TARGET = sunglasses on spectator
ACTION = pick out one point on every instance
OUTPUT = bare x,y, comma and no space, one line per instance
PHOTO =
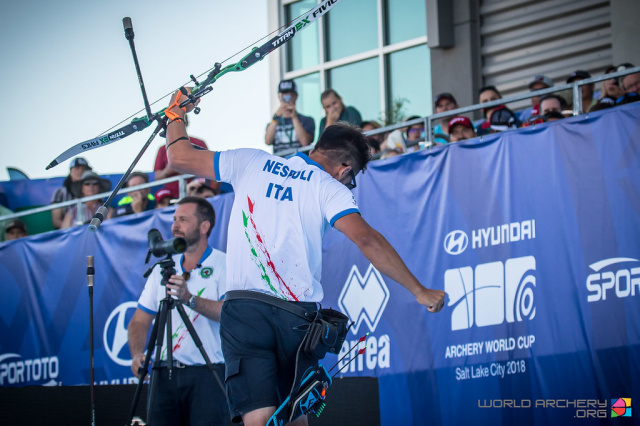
351,184
90,182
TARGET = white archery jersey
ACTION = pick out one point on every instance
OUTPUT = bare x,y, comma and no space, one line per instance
208,282
281,211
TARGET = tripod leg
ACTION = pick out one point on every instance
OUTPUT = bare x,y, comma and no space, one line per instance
198,343
161,323
144,370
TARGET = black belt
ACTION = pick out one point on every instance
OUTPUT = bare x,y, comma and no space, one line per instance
178,364
292,307
175,364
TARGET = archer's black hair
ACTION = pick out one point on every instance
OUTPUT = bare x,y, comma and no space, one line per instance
343,142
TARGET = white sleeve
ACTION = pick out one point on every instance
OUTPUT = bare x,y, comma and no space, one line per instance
336,201
230,165
149,301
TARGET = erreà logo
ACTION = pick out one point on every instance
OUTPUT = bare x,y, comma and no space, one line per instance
456,242
115,335
363,299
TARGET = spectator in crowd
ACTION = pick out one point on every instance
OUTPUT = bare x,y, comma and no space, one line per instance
288,129
443,102
539,82
135,201
335,111
163,169
14,230
552,107
77,167
610,88
408,140
488,94
203,188
460,128
588,99
630,84
374,141
90,184
414,134
163,198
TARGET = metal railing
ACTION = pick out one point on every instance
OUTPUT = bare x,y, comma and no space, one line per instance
182,179
430,119
426,120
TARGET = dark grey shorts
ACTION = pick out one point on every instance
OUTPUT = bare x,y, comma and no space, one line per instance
259,344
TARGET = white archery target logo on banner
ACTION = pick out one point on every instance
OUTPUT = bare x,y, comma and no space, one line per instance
115,336
456,242
492,293
363,299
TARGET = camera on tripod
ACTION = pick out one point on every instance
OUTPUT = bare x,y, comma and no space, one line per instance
159,248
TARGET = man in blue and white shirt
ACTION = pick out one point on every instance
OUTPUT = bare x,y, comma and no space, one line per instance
192,396
281,211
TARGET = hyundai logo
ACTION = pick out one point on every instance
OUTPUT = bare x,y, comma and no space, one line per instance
115,336
456,242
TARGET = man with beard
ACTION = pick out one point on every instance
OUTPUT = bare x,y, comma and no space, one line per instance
192,395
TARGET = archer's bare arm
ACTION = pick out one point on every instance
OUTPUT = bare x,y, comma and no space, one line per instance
385,259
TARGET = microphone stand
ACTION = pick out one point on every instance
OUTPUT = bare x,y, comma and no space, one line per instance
90,276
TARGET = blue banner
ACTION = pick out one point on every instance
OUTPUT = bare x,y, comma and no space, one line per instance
533,234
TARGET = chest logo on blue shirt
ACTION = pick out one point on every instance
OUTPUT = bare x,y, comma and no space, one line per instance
206,272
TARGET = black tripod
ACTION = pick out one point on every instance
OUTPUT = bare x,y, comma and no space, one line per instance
162,325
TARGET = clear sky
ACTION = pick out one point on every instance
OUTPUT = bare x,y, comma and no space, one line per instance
67,76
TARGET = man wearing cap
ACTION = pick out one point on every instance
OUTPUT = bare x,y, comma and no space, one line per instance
288,129
77,167
90,184
444,102
163,198
14,230
538,82
460,128
588,100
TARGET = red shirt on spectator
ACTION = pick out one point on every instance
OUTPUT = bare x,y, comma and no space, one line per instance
162,162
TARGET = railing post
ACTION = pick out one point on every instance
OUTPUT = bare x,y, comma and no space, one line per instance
577,99
183,186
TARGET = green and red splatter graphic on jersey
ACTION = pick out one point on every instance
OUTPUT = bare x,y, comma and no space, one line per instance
284,291
181,332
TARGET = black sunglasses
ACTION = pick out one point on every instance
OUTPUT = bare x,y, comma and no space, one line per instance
351,184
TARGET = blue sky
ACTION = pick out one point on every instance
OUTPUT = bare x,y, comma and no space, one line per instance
68,75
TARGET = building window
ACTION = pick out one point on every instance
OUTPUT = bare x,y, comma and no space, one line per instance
406,19
302,50
371,52
351,27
